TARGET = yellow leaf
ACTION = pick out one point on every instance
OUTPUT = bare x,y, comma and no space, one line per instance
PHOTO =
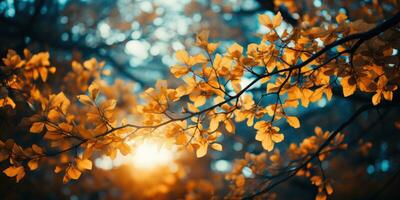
88,152
348,86
43,73
267,144
199,58
111,152
265,20
202,38
36,127
317,95
181,139
341,17
192,108
202,150
305,97
216,146
84,164
7,101
235,50
179,71
54,115
60,100
229,126
85,100
328,188
20,174
316,180
328,93
268,135
52,70
90,64
66,178
37,149
199,100
348,91
33,164
182,56
57,170
125,149
94,91
73,172
277,137
211,47
214,124
376,99
52,135
236,86
388,95
293,121
277,20
85,132
108,105
12,171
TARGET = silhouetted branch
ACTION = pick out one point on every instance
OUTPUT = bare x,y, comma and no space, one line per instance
315,155
364,36
21,31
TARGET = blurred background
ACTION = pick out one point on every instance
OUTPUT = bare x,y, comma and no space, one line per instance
137,40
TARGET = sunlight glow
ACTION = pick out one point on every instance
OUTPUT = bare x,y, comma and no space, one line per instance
147,155
150,155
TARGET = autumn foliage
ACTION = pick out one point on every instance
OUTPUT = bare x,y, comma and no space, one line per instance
295,67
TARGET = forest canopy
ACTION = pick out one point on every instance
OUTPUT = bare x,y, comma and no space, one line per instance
201,99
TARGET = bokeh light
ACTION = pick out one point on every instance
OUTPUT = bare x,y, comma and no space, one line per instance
147,155
150,155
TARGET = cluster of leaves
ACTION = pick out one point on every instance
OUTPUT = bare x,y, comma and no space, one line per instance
273,165
296,67
18,76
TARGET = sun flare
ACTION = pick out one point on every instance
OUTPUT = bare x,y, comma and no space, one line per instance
150,154
146,155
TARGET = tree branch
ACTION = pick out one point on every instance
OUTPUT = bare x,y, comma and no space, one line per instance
362,36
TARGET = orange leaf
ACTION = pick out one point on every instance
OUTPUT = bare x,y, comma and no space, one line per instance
277,20
202,150
73,172
85,100
33,164
84,164
293,121
265,20
229,126
216,146
36,127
